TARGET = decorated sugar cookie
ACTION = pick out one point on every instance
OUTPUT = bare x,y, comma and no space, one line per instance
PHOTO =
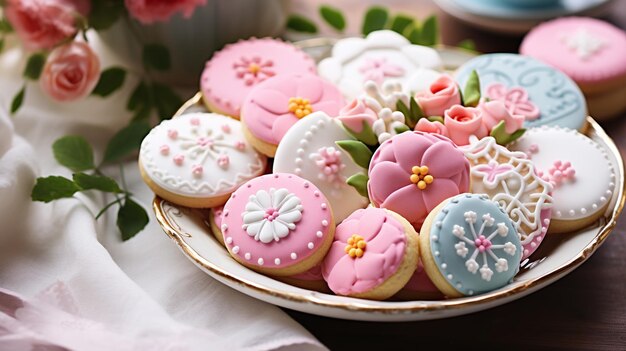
215,221
272,107
198,159
511,180
309,150
544,95
413,172
374,254
278,224
469,246
419,287
382,56
233,71
581,173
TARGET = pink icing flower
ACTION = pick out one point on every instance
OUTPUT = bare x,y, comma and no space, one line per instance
382,253
442,94
491,171
150,11
424,125
397,170
354,114
71,72
377,69
253,70
493,112
515,99
42,24
462,122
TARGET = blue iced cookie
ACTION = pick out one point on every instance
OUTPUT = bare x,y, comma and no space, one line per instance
543,94
469,246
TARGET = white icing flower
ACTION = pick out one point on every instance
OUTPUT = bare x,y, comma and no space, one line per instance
486,273
388,124
472,265
271,215
458,231
461,250
470,217
502,265
503,230
510,248
488,220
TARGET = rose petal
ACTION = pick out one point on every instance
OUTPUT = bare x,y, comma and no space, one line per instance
272,101
386,178
407,202
444,159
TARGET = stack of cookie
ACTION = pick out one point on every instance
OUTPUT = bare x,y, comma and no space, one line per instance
374,174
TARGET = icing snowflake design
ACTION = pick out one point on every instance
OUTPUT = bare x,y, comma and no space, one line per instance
383,100
253,70
377,69
199,145
480,243
270,216
515,100
583,43
328,160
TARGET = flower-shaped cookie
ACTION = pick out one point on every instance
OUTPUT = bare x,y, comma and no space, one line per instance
413,172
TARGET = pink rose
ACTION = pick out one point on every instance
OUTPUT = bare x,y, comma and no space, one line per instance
71,72
42,24
495,111
354,114
442,94
424,125
150,11
462,122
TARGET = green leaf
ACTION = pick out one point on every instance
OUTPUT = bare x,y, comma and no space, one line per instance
502,137
366,135
358,152
400,23
5,26
140,102
97,182
359,182
104,13
1,44
471,93
436,119
375,19
156,56
411,114
53,188
110,80
401,129
429,31
18,99
73,152
166,100
333,17
413,33
34,66
301,24
126,141
131,219
467,44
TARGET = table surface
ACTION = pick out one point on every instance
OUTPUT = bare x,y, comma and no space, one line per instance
584,310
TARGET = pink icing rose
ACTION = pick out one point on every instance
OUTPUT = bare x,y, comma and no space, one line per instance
462,122
42,24
354,114
150,11
493,112
443,93
424,125
71,72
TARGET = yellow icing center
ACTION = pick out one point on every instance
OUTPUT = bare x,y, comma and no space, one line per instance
300,107
356,246
420,177
254,68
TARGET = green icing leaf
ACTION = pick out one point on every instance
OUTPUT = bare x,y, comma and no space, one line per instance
104,13
167,102
429,31
110,80
1,44
412,113
436,119
73,152
358,151
333,17
413,33
400,23
34,66
471,94
52,188
467,44
156,56
18,99
131,219
96,182
375,19
359,182
502,137
367,135
401,129
126,141
5,26
301,24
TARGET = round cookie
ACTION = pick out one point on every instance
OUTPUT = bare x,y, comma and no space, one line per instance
582,176
374,254
311,280
543,94
278,224
419,287
233,71
413,172
215,222
273,106
198,159
383,55
308,150
509,178
469,246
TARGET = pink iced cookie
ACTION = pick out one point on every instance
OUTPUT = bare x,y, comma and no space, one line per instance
311,279
275,105
232,72
215,221
278,224
413,172
374,254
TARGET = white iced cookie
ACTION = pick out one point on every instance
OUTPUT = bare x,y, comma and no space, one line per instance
580,171
381,56
510,179
198,159
308,150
